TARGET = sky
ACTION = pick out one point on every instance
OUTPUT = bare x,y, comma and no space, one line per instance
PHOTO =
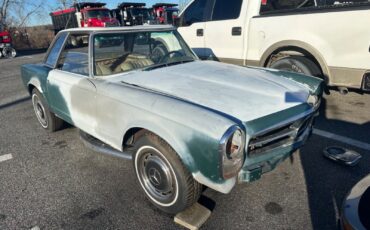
45,18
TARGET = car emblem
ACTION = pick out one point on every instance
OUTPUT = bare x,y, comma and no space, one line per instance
154,176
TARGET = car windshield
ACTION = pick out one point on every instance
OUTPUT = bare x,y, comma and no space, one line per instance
122,52
98,14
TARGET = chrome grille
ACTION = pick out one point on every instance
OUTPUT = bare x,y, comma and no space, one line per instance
279,137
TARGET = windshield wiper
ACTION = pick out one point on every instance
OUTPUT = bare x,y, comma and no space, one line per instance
167,64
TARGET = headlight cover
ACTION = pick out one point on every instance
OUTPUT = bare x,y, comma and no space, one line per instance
232,146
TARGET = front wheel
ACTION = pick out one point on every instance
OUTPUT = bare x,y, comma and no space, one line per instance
163,177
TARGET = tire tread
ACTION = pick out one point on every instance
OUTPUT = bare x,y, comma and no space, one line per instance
194,188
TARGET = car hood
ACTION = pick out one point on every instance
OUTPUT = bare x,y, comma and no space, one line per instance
244,93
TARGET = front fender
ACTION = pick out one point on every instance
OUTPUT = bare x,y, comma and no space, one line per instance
192,130
197,150
313,84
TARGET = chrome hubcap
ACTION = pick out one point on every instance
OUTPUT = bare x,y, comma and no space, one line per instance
156,176
39,110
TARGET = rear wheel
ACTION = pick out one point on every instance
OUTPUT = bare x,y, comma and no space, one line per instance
47,119
163,177
297,64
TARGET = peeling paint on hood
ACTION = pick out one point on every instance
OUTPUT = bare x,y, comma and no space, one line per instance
241,92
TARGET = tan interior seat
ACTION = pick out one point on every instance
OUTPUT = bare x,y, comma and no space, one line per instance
102,69
132,62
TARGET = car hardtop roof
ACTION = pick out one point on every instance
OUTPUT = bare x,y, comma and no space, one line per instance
147,28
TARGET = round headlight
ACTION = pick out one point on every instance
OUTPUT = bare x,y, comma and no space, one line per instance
232,151
235,144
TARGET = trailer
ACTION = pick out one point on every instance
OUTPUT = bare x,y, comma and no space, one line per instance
84,14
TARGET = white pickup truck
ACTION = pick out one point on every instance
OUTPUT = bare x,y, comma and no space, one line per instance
325,38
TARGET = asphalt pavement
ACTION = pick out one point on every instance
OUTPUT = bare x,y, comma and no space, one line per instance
52,181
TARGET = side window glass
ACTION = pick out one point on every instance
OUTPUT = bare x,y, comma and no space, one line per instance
54,52
194,13
142,44
75,56
225,10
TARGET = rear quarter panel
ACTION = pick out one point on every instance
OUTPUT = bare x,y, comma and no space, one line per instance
35,75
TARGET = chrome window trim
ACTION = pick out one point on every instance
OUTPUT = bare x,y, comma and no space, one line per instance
64,45
94,33
52,46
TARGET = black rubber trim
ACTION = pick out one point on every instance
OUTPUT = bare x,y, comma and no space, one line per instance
98,146
314,10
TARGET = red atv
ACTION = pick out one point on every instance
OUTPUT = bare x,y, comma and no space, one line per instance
6,49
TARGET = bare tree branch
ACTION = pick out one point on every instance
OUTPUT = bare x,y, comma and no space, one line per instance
3,12
16,13
31,12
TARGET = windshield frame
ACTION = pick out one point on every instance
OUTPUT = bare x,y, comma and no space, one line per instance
89,11
95,33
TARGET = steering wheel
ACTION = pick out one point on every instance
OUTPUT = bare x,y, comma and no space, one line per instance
167,55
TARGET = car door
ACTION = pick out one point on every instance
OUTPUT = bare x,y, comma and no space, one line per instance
192,25
70,90
225,31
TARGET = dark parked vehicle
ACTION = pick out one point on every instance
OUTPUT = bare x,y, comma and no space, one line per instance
132,14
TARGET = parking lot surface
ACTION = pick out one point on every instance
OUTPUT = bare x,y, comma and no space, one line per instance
52,181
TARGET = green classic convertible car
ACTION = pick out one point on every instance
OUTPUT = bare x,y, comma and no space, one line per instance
184,123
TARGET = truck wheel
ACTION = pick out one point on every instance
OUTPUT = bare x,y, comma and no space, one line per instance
158,53
163,177
9,52
297,64
47,119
